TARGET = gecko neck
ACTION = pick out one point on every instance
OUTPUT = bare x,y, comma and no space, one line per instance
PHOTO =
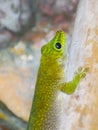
53,70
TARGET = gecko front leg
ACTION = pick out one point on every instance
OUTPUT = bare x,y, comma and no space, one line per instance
70,87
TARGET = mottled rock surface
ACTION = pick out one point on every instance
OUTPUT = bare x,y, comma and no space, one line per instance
16,16
19,16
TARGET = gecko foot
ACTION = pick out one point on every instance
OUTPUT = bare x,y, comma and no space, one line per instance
82,72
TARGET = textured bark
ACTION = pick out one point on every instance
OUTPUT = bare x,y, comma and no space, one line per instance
81,109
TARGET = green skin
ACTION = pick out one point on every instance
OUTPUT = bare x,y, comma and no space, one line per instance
45,112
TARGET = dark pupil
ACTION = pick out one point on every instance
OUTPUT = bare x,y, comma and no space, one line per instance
58,45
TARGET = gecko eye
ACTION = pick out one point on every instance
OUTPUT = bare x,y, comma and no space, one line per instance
58,45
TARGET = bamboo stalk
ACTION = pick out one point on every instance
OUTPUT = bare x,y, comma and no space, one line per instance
81,109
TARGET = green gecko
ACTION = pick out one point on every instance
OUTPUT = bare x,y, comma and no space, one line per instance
45,111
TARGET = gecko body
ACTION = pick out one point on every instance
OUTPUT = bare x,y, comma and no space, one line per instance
46,111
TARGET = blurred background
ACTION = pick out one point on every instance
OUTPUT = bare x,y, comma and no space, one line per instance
25,25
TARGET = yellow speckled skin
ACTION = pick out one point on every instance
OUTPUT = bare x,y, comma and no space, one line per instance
45,110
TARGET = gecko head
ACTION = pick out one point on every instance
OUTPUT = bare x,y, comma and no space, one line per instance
55,49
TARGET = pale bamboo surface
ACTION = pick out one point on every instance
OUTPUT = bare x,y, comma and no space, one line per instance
81,108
